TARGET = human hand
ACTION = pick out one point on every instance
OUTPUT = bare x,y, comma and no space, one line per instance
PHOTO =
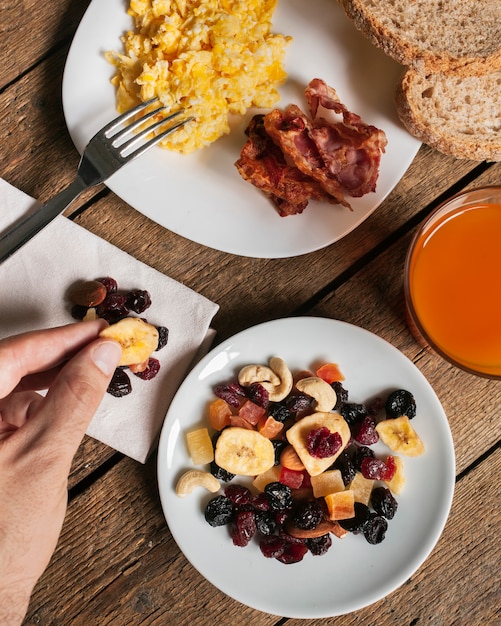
38,439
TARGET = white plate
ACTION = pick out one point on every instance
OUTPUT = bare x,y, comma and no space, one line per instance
201,196
353,574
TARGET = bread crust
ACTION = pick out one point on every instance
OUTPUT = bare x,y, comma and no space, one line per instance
463,38
458,117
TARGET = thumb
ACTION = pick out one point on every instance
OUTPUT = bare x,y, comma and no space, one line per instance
75,395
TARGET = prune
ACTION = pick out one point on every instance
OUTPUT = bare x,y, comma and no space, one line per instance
220,473
400,402
383,502
356,523
232,393
292,553
163,337
113,308
377,469
219,511
110,284
365,432
238,494
345,465
151,371
321,443
120,384
243,528
308,515
138,300
258,394
279,496
278,411
266,523
360,453
353,412
341,394
375,528
318,546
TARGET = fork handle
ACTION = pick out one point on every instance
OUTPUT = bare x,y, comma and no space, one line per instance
28,227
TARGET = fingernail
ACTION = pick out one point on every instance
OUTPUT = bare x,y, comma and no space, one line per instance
106,356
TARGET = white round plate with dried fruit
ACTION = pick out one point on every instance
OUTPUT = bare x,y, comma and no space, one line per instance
201,196
353,573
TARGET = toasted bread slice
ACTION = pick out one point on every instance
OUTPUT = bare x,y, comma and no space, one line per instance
460,36
457,116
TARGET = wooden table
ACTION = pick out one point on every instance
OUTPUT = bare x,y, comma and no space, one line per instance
116,562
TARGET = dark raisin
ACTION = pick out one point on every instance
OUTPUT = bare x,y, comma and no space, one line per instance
266,523
353,412
151,371
163,337
219,511
278,411
120,384
238,494
321,443
243,528
278,446
345,465
341,394
383,502
232,393
308,515
365,432
113,308
78,312
299,403
292,553
138,300
258,394
400,402
279,496
376,406
110,284
360,453
375,528
358,521
272,546
220,473
318,546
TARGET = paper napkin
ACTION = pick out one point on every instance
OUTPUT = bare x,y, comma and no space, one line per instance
34,282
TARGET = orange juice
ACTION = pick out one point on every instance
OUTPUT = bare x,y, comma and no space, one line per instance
454,285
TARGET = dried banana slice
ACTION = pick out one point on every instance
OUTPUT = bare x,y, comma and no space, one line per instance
137,338
399,435
244,452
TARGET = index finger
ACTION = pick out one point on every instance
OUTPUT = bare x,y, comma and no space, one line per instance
41,350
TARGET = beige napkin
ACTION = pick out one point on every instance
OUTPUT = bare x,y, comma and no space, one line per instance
33,286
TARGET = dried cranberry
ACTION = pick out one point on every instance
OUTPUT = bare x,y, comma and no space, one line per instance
113,308
375,528
258,394
260,502
138,300
292,553
151,371
232,393
377,469
365,432
238,494
318,546
308,515
383,502
321,443
218,511
120,384
243,528
360,453
299,403
110,284
272,546
163,337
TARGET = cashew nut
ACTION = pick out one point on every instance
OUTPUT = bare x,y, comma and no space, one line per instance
257,374
276,379
282,390
196,478
323,394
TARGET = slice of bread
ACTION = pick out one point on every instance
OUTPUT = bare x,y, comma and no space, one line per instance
460,116
461,36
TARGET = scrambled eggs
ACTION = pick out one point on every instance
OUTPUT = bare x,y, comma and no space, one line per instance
211,57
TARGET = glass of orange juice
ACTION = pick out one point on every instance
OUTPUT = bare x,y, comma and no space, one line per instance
453,281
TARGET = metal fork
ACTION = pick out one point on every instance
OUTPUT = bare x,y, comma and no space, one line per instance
109,150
